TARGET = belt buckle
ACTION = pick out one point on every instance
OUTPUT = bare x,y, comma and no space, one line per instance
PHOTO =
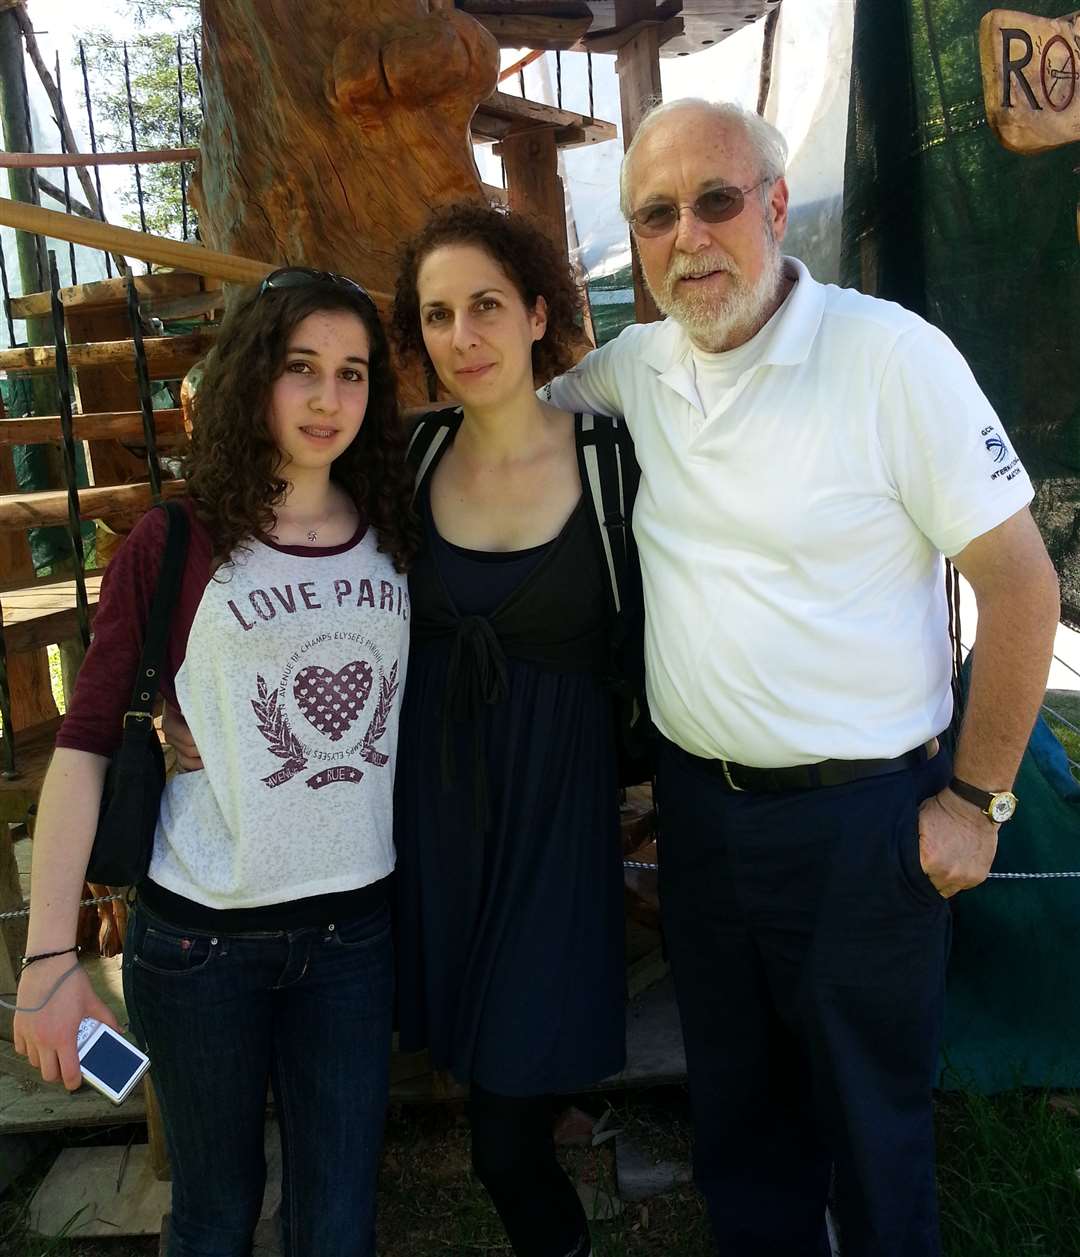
728,778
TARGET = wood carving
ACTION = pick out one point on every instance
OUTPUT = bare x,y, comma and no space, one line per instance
1031,78
332,130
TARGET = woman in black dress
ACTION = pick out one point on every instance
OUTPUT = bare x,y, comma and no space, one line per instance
511,966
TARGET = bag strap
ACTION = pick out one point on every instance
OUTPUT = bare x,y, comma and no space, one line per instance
148,680
428,438
608,472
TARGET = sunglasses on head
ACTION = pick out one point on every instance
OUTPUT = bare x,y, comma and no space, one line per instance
305,277
715,206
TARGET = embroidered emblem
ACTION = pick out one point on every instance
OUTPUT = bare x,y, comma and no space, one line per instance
997,448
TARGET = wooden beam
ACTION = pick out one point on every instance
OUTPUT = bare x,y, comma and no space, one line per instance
528,30
52,161
532,180
110,292
119,425
638,66
39,510
502,115
157,249
168,357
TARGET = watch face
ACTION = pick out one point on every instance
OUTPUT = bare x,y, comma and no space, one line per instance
1002,807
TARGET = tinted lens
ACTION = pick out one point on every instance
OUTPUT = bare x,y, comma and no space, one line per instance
654,220
718,204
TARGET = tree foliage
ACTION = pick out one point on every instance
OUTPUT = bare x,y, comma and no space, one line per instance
153,64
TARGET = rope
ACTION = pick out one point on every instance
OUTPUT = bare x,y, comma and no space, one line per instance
1012,877
86,903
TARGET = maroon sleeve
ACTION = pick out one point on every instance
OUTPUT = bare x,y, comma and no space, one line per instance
95,714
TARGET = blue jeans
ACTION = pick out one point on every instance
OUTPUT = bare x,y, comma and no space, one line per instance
223,1015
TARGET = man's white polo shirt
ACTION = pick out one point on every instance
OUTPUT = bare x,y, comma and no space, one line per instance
791,538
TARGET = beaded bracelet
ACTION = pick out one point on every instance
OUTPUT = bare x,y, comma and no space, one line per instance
27,961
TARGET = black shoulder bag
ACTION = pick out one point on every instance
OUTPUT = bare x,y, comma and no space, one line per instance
135,778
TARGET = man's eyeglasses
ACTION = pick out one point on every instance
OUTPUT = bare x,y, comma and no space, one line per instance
305,277
715,206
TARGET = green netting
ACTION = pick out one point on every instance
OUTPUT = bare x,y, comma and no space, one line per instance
981,241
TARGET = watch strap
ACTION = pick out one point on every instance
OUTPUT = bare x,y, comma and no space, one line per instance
972,794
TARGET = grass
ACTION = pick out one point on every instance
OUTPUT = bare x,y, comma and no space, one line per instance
1008,1179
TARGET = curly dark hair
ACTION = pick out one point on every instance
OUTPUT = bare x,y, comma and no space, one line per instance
232,464
526,255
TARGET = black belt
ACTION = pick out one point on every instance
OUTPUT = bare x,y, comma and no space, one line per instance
827,772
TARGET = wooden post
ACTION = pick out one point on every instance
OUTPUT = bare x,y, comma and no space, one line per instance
155,1132
637,64
533,183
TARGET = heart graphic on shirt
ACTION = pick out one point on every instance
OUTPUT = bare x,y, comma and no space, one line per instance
332,701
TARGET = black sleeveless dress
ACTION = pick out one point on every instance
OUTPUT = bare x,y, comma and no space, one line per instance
511,964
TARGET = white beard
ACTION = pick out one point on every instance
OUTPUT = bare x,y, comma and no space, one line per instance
713,322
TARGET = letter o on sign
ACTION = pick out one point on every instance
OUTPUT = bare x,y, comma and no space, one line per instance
1058,101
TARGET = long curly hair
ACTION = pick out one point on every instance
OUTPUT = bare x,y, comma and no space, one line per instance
528,258
232,465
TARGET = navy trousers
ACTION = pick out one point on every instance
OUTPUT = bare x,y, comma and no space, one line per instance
808,950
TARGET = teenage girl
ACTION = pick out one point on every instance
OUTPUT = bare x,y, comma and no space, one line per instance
259,948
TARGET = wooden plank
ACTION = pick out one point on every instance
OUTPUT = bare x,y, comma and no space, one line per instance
502,115
121,425
167,357
527,30
107,388
532,180
33,510
39,615
161,284
1031,78
54,161
157,249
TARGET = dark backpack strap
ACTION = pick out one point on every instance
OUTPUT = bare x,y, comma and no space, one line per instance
428,438
609,476
148,680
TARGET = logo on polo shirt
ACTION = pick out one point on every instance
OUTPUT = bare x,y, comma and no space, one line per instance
997,448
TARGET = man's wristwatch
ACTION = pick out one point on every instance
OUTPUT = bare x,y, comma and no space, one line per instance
1000,806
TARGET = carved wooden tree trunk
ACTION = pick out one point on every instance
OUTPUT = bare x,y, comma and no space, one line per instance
333,127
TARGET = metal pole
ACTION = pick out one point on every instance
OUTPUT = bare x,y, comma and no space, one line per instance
183,141
67,181
558,78
7,298
93,145
134,143
198,73
592,104
67,448
142,377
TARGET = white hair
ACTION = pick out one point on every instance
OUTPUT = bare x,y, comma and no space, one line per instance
765,141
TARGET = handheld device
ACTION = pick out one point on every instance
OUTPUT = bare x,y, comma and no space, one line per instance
109,1062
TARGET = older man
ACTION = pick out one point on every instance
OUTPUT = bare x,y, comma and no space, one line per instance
808,454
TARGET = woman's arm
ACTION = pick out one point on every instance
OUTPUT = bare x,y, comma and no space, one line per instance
67,818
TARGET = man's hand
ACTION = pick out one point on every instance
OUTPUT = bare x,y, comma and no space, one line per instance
178,736
957,843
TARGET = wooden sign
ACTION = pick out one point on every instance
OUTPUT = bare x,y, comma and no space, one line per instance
1031,78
